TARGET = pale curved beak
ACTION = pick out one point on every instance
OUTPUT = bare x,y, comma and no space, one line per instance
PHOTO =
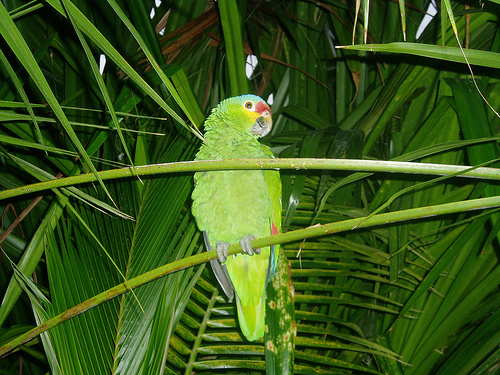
263,124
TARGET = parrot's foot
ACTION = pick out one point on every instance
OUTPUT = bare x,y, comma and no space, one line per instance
222,251
246,246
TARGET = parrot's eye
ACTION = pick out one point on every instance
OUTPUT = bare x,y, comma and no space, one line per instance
249,105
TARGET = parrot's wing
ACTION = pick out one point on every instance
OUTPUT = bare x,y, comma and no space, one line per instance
273,255
220,272
273,182
271,268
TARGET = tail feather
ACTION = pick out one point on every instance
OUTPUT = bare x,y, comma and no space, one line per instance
252,319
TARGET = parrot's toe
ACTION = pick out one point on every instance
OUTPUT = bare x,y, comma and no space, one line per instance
245,243
222,251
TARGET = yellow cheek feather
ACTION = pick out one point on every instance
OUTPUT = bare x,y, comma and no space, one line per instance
251,115
244,118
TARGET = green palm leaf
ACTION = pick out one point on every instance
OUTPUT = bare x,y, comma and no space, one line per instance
415,296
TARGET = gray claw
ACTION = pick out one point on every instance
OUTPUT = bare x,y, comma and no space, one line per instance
222,251
246,246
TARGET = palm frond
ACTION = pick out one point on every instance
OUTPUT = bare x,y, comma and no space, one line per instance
403,297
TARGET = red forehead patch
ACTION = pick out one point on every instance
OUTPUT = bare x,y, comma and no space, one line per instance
262,107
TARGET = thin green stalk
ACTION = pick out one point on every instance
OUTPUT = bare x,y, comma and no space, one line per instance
293,236
201,331
248,164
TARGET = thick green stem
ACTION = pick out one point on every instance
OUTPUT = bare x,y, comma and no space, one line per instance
297,235
246,164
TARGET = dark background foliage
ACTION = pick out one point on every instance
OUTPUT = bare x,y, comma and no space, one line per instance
412,298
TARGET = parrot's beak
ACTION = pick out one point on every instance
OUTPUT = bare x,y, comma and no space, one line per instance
263,123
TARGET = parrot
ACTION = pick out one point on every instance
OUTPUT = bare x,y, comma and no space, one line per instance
239,205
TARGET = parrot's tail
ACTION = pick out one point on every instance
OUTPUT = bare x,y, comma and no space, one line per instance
252,319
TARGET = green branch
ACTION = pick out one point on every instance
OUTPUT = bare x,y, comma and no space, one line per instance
293,236
296,164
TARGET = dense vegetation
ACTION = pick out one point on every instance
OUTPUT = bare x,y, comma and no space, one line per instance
410,297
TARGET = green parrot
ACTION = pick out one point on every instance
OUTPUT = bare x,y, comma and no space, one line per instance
231,206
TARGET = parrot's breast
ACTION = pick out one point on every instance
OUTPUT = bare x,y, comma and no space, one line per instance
232,204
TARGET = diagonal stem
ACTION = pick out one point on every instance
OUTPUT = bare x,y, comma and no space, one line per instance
20,218
293,236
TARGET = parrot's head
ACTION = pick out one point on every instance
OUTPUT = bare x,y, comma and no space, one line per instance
248,113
